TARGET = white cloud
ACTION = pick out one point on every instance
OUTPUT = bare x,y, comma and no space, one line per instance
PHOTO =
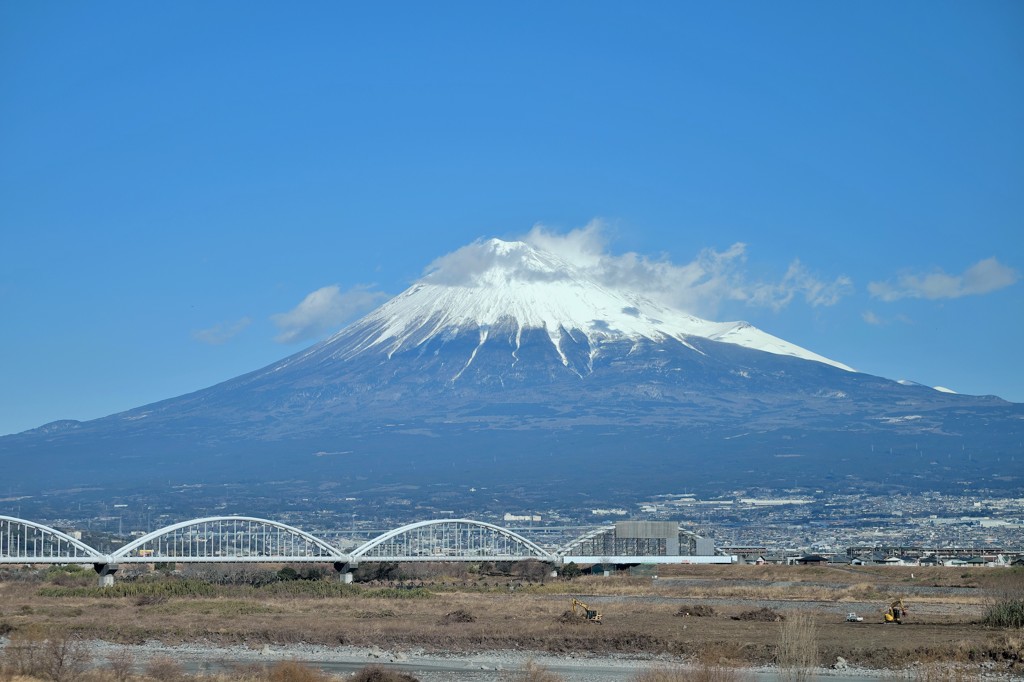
221,332
871,317
698,287
324,310
584,247
799,281
981,278
463,266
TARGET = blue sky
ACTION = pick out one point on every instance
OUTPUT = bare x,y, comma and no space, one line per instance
176,179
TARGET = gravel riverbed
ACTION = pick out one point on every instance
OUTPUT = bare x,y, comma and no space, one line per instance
438,667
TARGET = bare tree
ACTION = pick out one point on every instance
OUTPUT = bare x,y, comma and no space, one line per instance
121,664
65,657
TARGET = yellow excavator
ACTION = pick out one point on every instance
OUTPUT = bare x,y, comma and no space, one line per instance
895,612
585,611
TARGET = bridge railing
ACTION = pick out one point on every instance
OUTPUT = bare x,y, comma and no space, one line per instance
228,539
450,540
24,541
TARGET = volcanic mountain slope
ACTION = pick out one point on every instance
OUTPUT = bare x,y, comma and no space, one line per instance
514,363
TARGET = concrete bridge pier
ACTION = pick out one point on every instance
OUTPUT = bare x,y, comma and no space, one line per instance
344,570
106,574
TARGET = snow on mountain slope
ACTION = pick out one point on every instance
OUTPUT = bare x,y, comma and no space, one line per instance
512,286
940,389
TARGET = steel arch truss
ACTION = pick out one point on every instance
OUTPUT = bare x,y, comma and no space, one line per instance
598,542
604,542
218,539
24,541
450,540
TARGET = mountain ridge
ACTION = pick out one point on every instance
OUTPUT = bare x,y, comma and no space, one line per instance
444,383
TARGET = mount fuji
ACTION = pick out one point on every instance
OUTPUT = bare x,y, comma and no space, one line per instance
513,368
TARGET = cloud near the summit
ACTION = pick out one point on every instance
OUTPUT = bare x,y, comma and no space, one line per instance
324,310
462,266
981,278
698,287
584,247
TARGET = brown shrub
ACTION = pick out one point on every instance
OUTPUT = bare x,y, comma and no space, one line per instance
935,672
165,669
569,617
532,672
120,665
56,656
715,654
702,673
242,672
376,673
763,615
382,613
66,658
19,657
458,616
293,671
150,599
698,610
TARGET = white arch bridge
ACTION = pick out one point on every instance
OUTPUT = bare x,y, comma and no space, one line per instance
246,539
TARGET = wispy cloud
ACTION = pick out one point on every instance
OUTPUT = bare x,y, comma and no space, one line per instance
799,281
324,310
221,332
871,318
699,286
981,278
584,247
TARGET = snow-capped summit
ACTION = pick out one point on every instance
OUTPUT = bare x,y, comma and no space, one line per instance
496,287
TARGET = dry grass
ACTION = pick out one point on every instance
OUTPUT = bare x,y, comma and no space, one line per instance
293,671
640,616
457,616
841,576
797,653
165,669
842,585
532,672
56,656
761,615
1005,599
702,673
285,671
937,672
